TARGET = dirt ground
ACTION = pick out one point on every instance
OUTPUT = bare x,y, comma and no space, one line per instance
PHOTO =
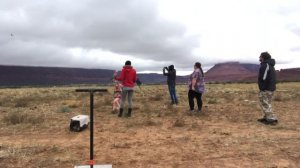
34,129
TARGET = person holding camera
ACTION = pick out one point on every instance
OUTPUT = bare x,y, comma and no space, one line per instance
171,81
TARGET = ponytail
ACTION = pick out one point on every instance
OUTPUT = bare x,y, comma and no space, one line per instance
201,71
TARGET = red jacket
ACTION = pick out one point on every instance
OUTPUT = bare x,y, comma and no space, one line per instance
128,76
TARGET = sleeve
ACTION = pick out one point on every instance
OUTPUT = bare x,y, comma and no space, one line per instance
174,74
195,75
134,76
164,72
261,77
122,76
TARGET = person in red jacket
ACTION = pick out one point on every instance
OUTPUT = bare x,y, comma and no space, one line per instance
128,79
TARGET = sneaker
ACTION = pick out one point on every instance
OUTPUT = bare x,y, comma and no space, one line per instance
191,112
262,120
271,122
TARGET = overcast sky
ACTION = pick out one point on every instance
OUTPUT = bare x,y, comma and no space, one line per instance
151,33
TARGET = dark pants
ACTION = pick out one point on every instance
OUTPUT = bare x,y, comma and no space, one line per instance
172,92
192,94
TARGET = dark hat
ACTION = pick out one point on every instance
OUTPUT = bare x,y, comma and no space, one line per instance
265,55
171,67
128,63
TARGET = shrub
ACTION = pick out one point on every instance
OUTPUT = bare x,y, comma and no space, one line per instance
18,117
281,97
179,123
64,109
4,101
212,101
108,101
72,103
278,97
23,102
15,118
157,97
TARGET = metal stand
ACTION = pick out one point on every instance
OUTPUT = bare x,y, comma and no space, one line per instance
91,91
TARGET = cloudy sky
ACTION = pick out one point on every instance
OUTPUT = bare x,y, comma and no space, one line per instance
151,33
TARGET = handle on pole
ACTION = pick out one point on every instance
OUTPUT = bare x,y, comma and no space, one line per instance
91,91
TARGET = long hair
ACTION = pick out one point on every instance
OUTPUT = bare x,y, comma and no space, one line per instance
198,65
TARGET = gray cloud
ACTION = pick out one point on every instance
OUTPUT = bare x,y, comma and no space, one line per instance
45,33
296,30
296,48
44,30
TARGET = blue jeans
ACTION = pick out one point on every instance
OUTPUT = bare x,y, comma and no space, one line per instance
172,92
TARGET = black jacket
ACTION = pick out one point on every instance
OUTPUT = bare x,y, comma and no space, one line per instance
267,76
171,74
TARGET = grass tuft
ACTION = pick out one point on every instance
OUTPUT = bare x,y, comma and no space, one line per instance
157,97
179,123
17,117
212,101
64,109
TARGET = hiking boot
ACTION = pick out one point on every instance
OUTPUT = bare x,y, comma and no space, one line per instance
120,112
129,112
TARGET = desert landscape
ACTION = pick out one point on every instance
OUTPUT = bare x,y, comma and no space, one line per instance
34,128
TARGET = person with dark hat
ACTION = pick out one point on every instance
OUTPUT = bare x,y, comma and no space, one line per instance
128,78
171,81
267,86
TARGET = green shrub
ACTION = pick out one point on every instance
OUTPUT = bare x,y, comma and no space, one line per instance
64,109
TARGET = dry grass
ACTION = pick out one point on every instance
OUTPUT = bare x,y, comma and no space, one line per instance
20,117
34,129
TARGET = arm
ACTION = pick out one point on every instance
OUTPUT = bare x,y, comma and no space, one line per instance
165,73
195,76
194,80
134,77
261,79
121,77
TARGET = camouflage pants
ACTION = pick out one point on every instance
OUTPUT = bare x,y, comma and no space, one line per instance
265,98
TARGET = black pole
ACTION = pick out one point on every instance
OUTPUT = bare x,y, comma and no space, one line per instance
91,91
92,129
